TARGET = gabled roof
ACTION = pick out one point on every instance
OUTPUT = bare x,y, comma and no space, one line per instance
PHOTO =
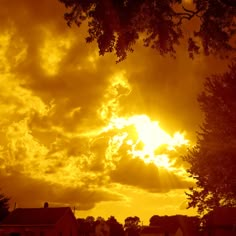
35,216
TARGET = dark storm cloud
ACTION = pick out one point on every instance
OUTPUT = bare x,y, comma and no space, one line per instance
30,192
147,176
27,13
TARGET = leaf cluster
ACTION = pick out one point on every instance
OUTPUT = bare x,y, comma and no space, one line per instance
213,160
116,25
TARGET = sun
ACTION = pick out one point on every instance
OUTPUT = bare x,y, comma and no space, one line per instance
147,140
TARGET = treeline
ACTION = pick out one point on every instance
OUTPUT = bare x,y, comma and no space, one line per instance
89,226
132,225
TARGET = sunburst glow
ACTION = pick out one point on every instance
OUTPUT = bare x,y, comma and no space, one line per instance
147,140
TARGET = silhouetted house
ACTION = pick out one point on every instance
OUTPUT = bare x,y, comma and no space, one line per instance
221,222
171,230
40,222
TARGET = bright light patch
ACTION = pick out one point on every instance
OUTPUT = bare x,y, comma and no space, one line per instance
52,52
118,87
4,45
92,59
147,138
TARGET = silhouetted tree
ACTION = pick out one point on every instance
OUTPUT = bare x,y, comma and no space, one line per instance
116,25
86,226
213,159
163,221
132,226
101,227
4,206
116,229
154,220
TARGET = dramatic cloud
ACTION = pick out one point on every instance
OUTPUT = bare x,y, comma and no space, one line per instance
33,193
78,129
135,172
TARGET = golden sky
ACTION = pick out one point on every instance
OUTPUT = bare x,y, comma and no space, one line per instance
80,130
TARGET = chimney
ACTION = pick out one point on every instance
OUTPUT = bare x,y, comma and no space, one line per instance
45,205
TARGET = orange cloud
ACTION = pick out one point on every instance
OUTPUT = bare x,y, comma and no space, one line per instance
59,100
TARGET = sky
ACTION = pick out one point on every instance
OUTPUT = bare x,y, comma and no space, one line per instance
77,129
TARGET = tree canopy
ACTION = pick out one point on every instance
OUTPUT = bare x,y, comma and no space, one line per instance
117,25
132,226
4,206
213,159
116,229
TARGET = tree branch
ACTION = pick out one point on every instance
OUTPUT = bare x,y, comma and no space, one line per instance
188,14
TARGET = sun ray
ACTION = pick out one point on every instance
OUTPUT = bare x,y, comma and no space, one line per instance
146,139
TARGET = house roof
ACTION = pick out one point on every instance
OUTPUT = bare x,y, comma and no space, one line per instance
35,216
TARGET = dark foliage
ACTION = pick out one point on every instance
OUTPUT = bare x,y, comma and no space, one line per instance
86,226
213,160
4,206
116,25
132,226
116,229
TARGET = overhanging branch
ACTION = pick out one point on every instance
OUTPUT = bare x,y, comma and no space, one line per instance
187,14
